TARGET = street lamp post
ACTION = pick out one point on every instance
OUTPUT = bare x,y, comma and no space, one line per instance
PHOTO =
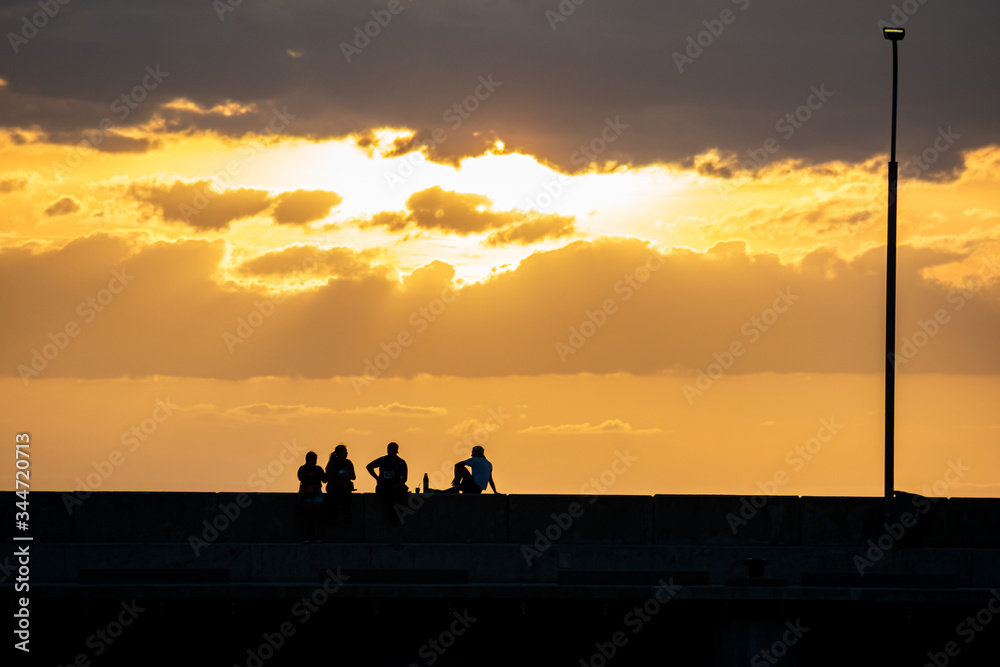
894,35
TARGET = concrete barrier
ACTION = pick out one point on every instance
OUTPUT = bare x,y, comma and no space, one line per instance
437,518
50,517
726,520
255,517
138,516
931,517
516,519
580,519
840,520
974,522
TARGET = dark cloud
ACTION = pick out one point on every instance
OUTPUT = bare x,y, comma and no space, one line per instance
78,123
12,183
117,143
554,85
460,213
304,206
532,231
62,206
199,204
390,220
107,142
467,213
310,260
714,167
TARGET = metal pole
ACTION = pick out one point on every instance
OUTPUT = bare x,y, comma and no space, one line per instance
890,309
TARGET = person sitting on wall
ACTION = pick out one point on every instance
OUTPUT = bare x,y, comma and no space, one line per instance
474,482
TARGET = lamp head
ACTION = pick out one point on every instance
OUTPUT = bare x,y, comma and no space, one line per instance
893,34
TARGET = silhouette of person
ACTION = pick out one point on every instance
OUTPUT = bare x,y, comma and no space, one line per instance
391,478
340,482
311,478
474,474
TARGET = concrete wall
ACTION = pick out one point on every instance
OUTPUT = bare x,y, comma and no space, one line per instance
539,566
517,519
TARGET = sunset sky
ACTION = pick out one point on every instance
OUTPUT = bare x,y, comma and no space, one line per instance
578,233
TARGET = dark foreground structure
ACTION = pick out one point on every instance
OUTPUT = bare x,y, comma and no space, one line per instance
222,579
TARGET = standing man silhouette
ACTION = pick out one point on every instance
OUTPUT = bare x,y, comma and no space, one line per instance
390,482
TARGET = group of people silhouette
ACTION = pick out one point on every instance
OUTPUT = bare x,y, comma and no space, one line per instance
472,476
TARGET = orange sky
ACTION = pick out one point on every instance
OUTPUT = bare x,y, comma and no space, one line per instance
584,326
558,433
